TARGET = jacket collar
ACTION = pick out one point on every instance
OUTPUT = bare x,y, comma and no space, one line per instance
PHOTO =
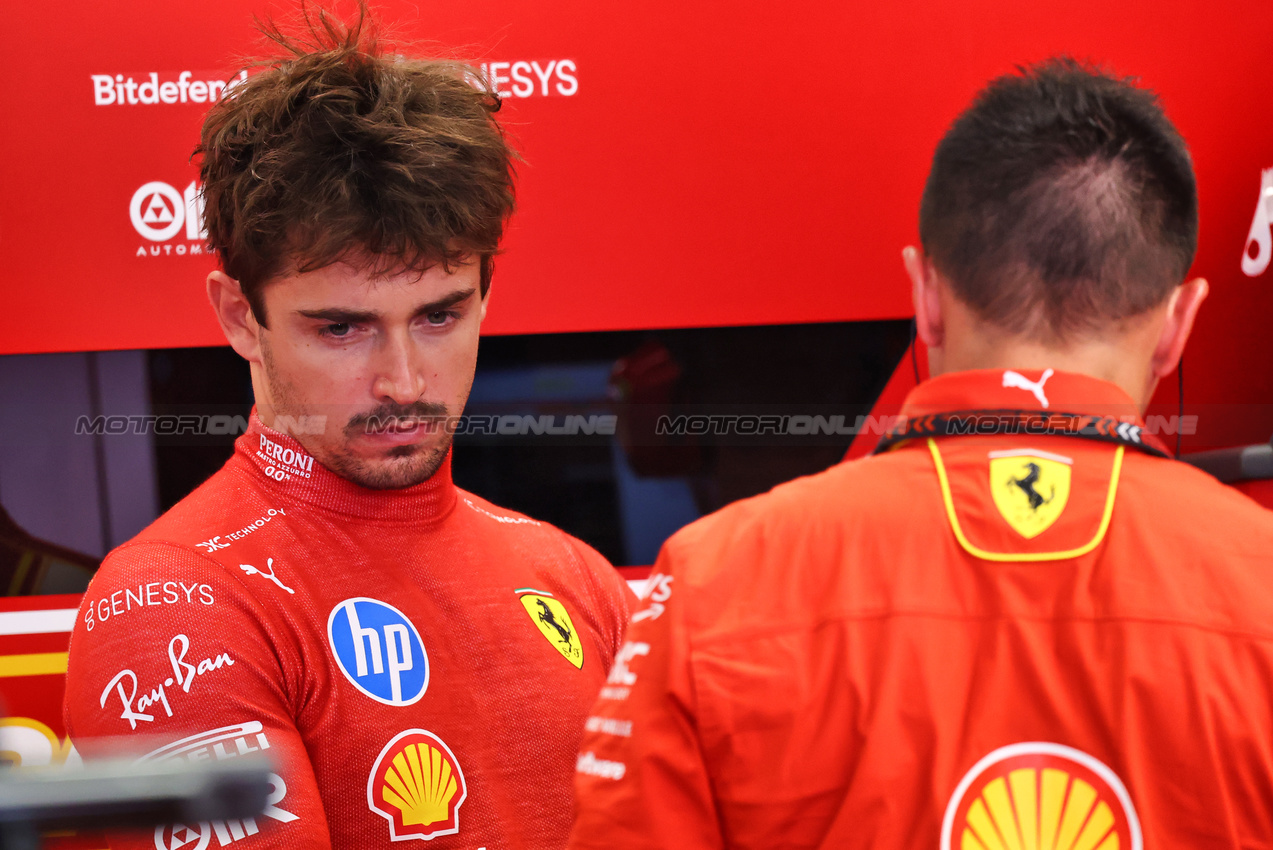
1094,408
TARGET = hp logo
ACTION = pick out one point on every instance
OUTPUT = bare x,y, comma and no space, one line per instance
378,650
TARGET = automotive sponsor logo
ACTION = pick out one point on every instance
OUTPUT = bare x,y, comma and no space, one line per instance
416,784
620,672
609,726
593,766
124,686
553,622
379,650
657,589
158,88
1039,794
223,541
159,213
1030,488
269,565
222,743
535,78
1259,239
282,462
180,836
146,595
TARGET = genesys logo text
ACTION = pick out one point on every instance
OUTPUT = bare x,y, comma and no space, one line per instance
158,88
160,214
538,78
148,595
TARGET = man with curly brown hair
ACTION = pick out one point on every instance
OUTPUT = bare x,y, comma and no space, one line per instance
418,661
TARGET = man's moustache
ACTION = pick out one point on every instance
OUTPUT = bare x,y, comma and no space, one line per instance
425,414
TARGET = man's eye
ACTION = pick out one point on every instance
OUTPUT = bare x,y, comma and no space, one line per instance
338,329
438,318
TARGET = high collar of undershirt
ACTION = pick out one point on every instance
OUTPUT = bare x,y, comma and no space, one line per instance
285,466
1042,390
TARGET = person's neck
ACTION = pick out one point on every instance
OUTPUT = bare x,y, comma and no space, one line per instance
1115,358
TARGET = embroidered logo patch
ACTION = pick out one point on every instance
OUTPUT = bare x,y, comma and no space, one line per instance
1040,795
379,650
553,622
1030,488
416,784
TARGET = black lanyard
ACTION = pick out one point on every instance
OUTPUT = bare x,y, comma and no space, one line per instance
1020,423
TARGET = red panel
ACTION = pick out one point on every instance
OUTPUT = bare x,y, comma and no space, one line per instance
762,166
38,697
1260,490
33,703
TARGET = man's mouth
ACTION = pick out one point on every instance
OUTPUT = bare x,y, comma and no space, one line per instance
401,429
404,425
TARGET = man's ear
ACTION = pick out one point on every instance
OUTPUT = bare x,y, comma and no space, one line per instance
486,300
235,315
1182,309
930,325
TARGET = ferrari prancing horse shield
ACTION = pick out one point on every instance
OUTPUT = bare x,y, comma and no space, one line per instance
552,620
1030,488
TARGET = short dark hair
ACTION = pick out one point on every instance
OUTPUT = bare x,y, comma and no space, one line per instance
1061,201
336,152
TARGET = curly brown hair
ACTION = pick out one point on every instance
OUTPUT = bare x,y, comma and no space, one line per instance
336,152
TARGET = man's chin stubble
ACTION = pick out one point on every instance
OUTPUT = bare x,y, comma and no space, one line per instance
391,473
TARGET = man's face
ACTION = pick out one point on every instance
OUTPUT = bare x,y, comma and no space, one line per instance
371,356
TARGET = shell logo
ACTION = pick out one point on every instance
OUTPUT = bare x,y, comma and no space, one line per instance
416,784
1040,796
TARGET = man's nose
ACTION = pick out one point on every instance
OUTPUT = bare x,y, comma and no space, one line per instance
399,371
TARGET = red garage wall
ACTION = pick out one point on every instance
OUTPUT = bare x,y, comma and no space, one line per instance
685,166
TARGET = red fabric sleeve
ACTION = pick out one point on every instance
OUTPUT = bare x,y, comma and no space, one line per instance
614,600
171,658
640,778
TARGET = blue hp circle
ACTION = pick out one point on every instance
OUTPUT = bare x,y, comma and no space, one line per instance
378,650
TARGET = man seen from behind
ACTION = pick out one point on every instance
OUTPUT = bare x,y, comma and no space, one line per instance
1020,624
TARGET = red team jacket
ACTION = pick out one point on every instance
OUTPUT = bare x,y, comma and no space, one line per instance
1029,642
418,662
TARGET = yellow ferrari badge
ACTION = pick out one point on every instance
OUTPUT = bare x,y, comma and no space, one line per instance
1030,488
550,617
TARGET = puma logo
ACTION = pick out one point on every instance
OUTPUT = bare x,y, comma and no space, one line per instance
269,562
1018,381
1259,240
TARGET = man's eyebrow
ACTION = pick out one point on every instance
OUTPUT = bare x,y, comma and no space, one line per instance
342,316
442,303
339,316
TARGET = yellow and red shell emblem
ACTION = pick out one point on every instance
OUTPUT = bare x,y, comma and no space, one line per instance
417,785
1040,796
